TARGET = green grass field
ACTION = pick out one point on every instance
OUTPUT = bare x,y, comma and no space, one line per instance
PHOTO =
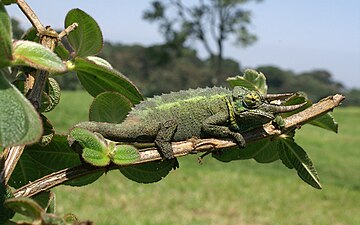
240,192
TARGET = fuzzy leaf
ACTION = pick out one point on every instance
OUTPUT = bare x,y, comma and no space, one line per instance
19,121
87,38
110,107
51,95
25,206
32,54
48,133
252,80
124,154
97,79
293,156
99,61
148,172
6,213
5,38
325,121
95,150
38,161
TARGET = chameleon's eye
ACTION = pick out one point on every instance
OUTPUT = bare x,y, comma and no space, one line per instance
252,100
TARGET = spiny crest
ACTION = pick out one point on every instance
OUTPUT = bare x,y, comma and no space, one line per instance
179,96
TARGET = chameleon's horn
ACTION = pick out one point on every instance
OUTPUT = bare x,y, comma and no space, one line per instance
272,97
286,108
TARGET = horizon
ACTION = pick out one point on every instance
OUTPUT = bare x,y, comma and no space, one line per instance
299,36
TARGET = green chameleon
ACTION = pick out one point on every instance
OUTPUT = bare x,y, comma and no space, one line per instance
202,113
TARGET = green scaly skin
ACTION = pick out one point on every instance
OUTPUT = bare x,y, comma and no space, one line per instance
200,113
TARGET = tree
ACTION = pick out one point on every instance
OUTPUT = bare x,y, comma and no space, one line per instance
211,22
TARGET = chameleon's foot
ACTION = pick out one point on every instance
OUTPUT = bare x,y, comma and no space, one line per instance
175,163
239,139
279,122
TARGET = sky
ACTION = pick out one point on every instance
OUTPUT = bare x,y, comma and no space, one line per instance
297,35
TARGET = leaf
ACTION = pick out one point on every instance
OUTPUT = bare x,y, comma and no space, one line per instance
25,206
19,121
252,80
148,172
62,52
5,38
95,150
124,154
293,156
87,38
31,35
48,133
38,161
85,180
97,79
6,213
99,61
110,107
51,95
325,121
32,54
46,200
263,151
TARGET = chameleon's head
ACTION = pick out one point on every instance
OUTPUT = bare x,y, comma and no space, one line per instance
252,107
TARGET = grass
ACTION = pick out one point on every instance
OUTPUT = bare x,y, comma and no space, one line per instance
240,192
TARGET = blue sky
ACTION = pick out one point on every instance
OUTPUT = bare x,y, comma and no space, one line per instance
298,35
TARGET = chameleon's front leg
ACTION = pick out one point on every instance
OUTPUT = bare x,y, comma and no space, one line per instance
163,140
215,126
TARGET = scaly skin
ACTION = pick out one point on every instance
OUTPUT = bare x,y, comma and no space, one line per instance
209,112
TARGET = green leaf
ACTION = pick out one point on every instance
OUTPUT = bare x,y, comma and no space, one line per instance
32,54
124,154
87,38
51,95
293,156
38,161
5,38
99,61
263,151
6,213
95,150
46,200
97,79
62,52
252,80
19,121
110,107
85,180
325,121
48,133
31,35
25,206
148,172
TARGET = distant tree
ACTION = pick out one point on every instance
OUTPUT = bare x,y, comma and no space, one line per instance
17,30
212,22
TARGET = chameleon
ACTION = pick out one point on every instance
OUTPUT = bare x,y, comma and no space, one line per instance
195,113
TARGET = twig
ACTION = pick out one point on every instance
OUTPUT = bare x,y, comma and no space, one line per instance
187,147
30,14
68,30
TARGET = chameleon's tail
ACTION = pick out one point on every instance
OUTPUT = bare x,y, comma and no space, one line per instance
115,132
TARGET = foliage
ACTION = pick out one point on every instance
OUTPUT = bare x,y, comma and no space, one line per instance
29,66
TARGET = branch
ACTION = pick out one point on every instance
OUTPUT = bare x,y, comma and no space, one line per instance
30,14
186,147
